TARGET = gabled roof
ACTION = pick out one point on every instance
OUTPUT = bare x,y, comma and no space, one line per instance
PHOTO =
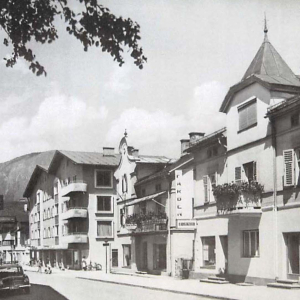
38,170
147,159
270,70
84,158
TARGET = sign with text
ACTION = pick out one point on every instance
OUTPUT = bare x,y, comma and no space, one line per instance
186,224
178,194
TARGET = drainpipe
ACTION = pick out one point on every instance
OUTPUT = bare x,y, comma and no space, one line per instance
275,209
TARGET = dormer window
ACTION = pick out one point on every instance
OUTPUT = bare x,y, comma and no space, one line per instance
247,115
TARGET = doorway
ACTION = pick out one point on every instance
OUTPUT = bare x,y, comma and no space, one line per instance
224,244
293,253
144,256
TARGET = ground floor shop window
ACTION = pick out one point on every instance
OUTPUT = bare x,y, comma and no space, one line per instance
126,255
293,249
114,257
209,249
159,256
251,243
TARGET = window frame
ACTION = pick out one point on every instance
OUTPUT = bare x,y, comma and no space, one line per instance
111,205
256,246
111,178
105,236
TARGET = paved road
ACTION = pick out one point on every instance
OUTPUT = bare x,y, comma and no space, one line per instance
38,292
80,289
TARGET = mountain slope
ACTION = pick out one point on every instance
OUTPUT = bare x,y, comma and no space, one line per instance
15,174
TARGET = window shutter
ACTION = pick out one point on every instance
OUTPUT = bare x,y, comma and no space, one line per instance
243,118
206,191
238,175
288,159
254,171
251,114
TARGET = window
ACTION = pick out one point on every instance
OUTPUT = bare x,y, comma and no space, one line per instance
159,256
124,184
250,171
247,115
295,119
7,243
122,217
143,192
55,188
103,178
209,182
104,229
143,207
74,178
104,203
251,243
38,196
238,175
208,250
158,187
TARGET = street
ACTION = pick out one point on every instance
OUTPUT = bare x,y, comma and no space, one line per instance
73,288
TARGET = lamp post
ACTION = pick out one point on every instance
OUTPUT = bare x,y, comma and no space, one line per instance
106,244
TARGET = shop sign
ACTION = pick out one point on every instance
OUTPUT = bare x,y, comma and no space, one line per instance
186,224
178,193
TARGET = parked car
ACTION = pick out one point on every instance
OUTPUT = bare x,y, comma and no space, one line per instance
12,277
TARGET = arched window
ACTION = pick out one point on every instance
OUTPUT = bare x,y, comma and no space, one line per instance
124,184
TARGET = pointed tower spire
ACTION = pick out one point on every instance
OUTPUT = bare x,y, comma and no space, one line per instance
266,30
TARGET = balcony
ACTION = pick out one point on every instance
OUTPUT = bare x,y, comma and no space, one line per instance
75,238
243,204
73,187
150,222
75,212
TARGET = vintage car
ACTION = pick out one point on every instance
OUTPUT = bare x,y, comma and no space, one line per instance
12,277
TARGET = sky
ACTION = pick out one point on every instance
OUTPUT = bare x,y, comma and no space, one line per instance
196,51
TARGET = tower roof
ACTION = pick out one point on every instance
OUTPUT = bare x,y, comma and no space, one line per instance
269,66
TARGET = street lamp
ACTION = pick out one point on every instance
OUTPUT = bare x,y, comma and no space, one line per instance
106,244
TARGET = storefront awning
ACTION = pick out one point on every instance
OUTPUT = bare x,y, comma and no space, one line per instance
146,198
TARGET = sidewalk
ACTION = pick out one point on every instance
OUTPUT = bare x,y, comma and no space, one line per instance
188,287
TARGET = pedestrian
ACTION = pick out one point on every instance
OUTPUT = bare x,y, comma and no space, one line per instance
84,264
40,266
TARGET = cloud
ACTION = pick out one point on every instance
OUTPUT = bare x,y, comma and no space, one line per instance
159,132
60,123
118,80
148,131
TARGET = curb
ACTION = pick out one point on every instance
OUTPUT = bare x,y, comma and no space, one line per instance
158,289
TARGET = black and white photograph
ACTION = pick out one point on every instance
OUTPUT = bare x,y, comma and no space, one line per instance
149,149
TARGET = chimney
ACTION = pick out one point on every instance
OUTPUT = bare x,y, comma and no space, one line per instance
107,151
135,152
184,145
196,136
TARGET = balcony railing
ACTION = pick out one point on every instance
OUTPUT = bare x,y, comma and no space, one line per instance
75,212
244,203
148,222
75,237
74,186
